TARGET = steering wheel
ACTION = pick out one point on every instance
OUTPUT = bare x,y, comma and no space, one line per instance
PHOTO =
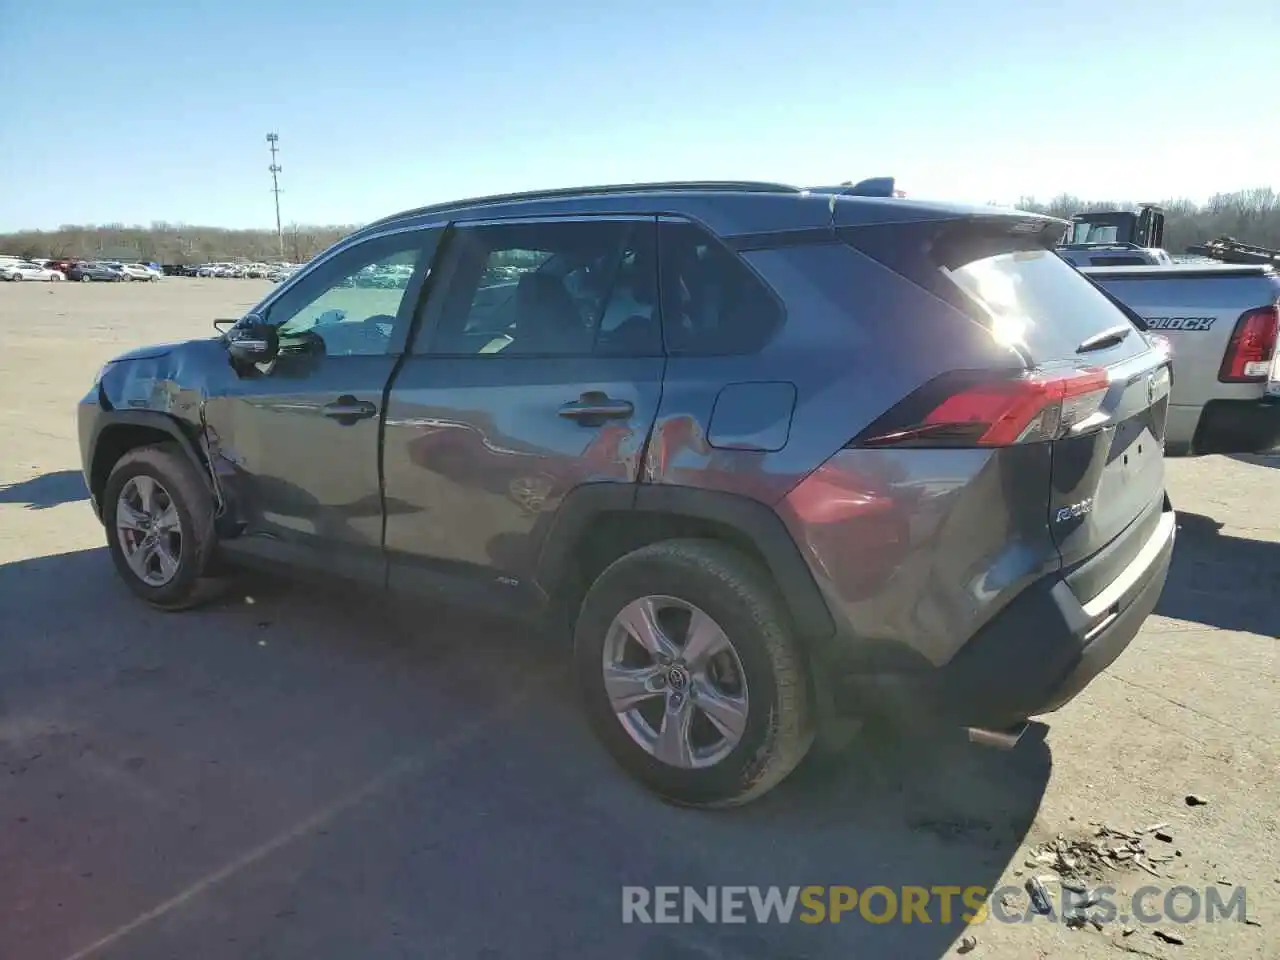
373,327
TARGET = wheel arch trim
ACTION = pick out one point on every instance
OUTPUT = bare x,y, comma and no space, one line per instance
754,520
110,420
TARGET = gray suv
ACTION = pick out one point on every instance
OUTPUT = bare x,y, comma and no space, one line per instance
784,459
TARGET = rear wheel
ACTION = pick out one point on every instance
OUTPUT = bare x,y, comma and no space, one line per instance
159,518
690,674
16,277
85,278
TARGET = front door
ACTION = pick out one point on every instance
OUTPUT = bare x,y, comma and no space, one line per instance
301,432
537,367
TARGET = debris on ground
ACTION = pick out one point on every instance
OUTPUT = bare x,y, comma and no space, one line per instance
1152,828
1173,938
1195,800
1110,849
1041,902
967,943
1164,835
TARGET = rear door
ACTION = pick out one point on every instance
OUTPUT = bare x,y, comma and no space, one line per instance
1108,467
536,367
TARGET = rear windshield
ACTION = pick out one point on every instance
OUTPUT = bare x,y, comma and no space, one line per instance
1034,298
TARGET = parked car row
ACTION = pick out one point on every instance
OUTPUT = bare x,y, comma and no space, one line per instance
18,268
240,271
14,268
28,270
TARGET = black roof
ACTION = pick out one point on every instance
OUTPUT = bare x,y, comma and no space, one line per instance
728,207
564,193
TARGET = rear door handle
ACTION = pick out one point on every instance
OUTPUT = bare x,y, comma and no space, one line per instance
347,410
594,408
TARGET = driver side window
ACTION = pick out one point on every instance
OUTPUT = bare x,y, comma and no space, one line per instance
349,306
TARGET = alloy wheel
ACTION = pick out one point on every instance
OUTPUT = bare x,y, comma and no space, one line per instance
675,682
149,530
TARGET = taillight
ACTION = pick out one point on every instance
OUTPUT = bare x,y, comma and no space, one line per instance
967,409
1252,346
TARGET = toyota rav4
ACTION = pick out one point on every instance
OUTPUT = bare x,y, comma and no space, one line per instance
782,457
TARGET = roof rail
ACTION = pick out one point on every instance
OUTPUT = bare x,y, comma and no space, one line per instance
726,186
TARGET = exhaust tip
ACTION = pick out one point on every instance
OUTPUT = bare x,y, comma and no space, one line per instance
1005,739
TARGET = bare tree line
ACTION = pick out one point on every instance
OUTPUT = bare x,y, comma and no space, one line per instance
171,243
1252,216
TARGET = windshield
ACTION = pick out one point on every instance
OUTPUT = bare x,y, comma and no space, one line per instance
1095,233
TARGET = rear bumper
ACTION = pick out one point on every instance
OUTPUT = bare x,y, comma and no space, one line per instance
1035,656
1239,426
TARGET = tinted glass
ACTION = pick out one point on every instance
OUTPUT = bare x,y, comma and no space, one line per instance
1117,261
1034,298
712,303
571,288
348,306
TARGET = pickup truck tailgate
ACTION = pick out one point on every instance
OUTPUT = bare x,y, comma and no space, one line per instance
1209,315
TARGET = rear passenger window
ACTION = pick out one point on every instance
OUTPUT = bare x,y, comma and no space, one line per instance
712,303
552,289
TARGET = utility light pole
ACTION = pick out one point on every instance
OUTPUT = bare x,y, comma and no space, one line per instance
275,168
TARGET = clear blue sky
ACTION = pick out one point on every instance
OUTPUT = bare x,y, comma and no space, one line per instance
140,111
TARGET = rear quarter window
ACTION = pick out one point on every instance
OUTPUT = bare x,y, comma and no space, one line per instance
1034,298
713,304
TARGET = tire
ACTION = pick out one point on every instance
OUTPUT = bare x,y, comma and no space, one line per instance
128,278
168,466
733,591
85,278
16,277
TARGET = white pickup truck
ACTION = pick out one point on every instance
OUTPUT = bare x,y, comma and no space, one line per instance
1222,321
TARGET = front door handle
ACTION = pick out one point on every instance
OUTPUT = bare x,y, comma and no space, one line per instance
348,410
594,408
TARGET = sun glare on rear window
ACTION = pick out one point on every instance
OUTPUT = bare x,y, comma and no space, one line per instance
996,293
1035,299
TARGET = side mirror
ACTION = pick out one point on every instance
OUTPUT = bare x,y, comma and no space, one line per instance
253,340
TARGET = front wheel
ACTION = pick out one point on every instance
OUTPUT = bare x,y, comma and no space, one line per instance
158,512
690,673
16,277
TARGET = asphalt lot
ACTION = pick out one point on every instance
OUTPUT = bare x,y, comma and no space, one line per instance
294,772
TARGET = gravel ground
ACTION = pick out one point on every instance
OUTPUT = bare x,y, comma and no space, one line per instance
294,773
